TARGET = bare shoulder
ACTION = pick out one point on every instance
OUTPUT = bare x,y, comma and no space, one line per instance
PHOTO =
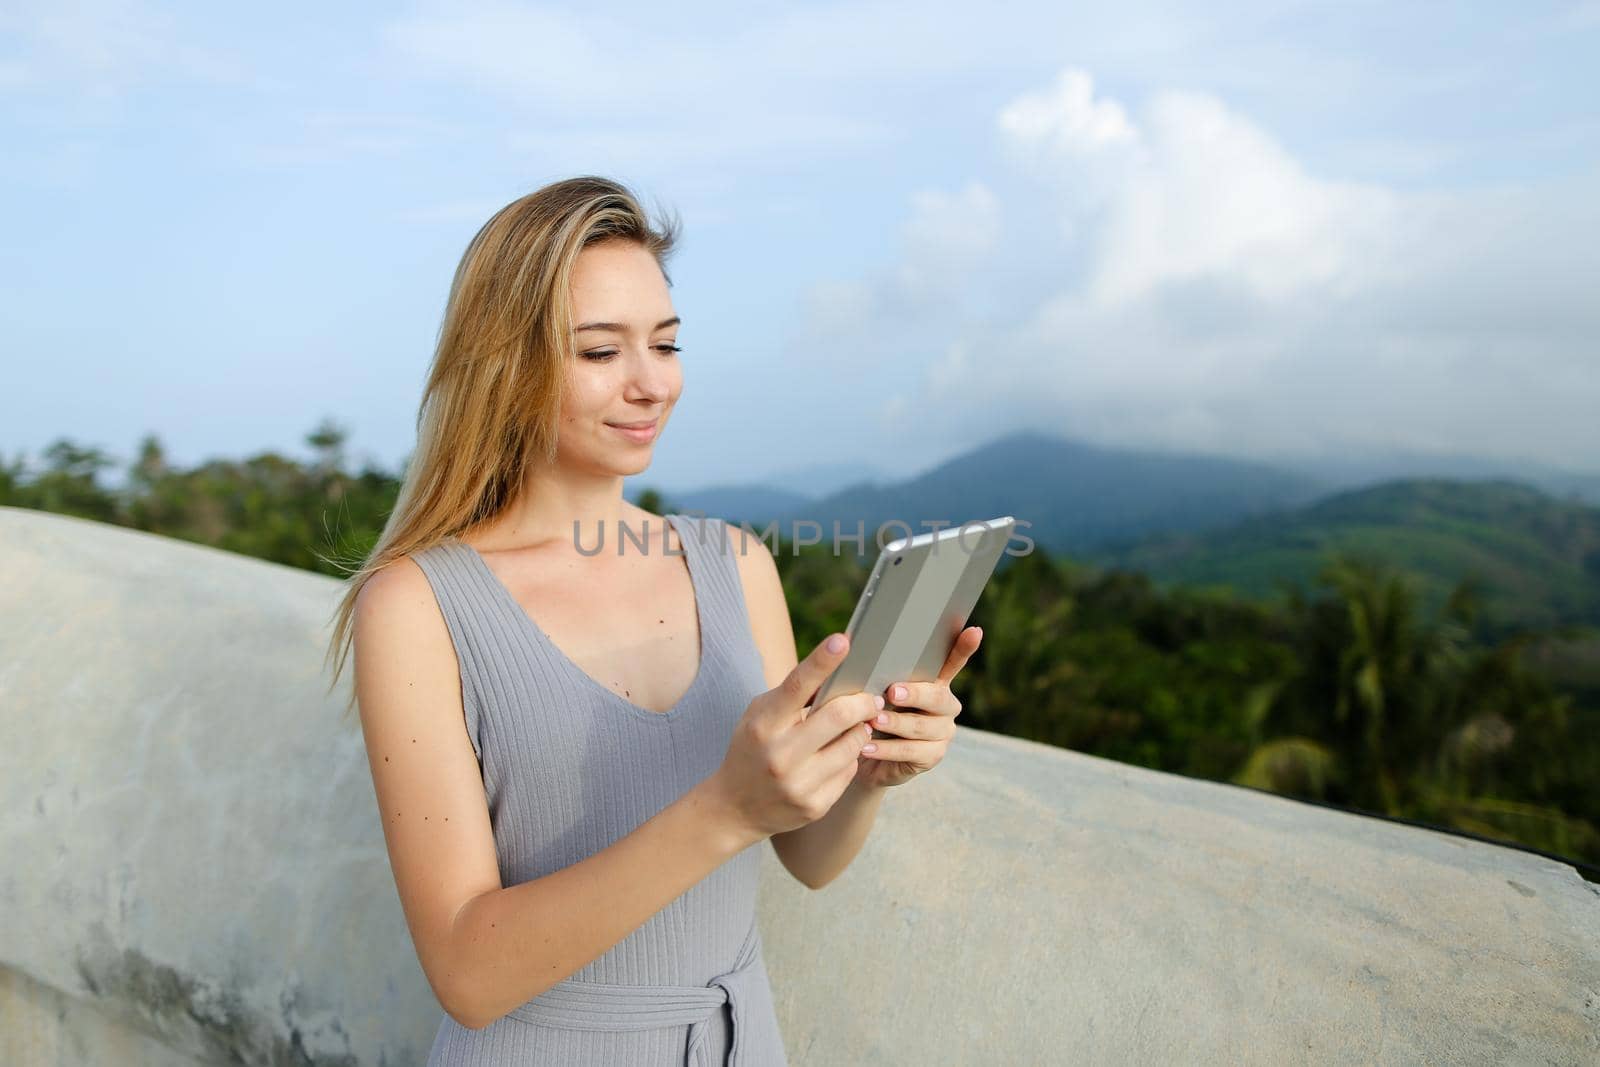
425,774
392,588
397,620
407,675
764,601
408,681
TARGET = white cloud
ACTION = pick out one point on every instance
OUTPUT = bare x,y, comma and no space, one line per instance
320,136
476,210
534,55
746,59
948,237
1585,14
97,50
1066,119
1198,191
840,307
950,374
629,98
1201,289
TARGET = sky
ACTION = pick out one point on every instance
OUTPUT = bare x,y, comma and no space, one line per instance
1280,231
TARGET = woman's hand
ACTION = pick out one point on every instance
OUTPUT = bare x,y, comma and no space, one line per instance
923,722
787,762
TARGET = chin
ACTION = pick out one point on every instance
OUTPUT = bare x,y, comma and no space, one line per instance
635,463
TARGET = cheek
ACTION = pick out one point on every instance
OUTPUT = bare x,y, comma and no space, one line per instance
585,398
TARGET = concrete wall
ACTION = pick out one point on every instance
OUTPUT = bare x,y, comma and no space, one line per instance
193,871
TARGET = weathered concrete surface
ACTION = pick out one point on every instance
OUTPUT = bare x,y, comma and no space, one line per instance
189,831
190,845
40,1025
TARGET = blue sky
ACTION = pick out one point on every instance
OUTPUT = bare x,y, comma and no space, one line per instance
1270,230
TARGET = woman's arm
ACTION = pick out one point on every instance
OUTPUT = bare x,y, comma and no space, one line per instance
817,852
484,948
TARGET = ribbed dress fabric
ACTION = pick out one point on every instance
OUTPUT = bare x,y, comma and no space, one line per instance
570,766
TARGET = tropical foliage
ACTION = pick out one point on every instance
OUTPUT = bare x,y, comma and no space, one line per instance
1352,690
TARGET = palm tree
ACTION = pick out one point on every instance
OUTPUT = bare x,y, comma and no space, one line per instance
1024,686
1378,691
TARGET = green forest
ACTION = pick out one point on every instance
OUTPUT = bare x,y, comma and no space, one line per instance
1352,689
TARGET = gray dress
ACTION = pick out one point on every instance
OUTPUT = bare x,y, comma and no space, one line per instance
569,766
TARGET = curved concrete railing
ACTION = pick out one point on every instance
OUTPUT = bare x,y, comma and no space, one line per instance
194,872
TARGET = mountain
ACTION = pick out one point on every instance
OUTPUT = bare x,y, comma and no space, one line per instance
1537,557
1076,497
735,502
1201,520
782,492
820,479
1357,470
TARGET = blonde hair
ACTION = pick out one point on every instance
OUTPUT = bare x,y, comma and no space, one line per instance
493,395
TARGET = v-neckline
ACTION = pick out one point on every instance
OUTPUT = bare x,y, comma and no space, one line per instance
539,634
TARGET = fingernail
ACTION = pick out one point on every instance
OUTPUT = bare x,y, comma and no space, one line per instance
878,700
883,717
899,692
836,643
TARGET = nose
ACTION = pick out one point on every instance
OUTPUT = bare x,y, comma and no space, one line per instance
650,377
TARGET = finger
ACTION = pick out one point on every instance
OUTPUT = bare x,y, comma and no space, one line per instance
914,725
967,643
932,698
802,683
843,751
920,754
837,717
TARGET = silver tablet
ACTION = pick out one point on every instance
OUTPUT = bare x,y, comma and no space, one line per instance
914,606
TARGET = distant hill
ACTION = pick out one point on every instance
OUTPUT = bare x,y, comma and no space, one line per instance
1538,557
819,479
779,493
1356,471
1077,497
736,502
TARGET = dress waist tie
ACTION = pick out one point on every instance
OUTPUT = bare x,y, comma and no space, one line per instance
580,1005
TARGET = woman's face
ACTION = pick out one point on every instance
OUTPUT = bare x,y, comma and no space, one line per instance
625,367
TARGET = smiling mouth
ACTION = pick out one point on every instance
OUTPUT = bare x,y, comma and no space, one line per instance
634,425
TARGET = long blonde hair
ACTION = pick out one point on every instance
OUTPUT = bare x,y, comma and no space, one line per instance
493,396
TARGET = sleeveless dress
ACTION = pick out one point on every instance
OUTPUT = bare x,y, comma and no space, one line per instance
570,766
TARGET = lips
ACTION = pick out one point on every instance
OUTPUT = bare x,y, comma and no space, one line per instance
647,424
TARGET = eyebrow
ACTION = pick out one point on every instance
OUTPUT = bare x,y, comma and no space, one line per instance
617,327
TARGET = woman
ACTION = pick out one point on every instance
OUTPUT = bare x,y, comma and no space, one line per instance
573,751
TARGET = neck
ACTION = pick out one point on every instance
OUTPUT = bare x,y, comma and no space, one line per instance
552,500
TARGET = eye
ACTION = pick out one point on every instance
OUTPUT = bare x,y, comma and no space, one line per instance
600,355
